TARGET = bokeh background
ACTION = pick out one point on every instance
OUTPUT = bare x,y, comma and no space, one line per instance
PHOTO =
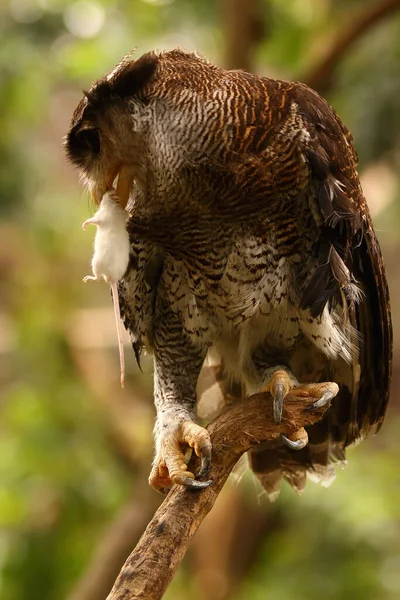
75,449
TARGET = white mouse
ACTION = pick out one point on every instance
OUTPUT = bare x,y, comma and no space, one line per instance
111,254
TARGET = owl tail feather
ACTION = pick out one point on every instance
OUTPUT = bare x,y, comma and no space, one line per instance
273,462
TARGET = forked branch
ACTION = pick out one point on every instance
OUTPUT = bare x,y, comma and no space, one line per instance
321,76
153,563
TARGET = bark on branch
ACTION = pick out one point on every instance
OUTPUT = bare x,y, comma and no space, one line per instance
153,563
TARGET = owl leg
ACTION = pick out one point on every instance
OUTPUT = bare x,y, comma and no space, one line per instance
177,364
281,383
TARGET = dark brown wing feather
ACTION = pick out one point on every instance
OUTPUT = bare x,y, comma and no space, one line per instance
348,252
354,254
374,323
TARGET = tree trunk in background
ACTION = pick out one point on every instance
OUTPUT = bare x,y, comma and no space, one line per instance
243,27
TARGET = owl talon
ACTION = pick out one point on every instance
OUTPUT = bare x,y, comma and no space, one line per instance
325,398
204,466
278,387
294,445
279,394
193,484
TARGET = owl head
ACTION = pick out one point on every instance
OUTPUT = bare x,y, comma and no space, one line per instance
104,139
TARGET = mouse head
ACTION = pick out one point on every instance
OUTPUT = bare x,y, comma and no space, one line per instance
110,213
104,138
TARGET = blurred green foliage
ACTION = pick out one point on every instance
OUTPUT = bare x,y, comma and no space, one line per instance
62,476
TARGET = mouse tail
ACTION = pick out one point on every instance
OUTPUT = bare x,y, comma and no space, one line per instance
117,313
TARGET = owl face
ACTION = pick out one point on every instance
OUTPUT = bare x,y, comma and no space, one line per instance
104,140
89,147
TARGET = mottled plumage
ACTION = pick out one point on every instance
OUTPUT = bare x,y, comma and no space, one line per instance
251,242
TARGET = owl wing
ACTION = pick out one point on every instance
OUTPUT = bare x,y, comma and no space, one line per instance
350,277
350,270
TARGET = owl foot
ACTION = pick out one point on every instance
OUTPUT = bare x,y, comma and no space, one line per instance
281,384
169,465
322,392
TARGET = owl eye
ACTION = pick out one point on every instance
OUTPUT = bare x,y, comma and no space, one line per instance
89,138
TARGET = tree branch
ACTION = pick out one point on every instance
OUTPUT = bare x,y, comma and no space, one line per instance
156,558
320,77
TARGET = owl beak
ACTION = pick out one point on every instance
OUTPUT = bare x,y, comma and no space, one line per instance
102,185
123,188
124,184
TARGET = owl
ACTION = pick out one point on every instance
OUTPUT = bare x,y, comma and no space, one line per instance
251,248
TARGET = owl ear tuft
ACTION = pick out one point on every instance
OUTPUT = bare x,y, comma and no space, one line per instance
134,76
125,81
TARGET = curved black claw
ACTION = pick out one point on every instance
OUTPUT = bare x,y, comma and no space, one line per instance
323,401
297,445
279,393
204,466
193,484
163,491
